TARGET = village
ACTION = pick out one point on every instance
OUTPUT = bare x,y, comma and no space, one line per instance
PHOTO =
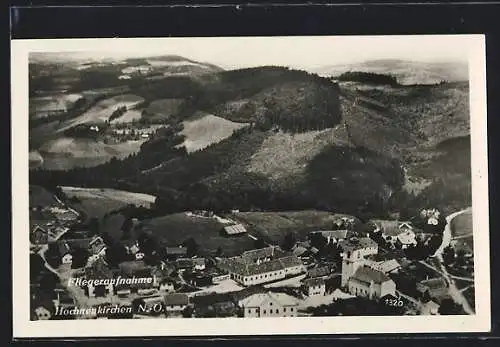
391,268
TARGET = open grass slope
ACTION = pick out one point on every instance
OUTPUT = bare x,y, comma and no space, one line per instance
176,228
274,226
66,153
102,110
205,130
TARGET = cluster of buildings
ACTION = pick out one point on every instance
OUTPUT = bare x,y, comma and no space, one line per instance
262,266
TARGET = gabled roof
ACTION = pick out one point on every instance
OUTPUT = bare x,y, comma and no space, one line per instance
176,299
357,243
319,271
387,265
257,300
367,275
290,261
198,261
313,282
391,227
235,229
260,253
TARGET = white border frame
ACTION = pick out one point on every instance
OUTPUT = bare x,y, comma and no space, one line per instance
23,327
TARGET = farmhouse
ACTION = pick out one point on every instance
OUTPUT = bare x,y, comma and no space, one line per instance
269,305
390,230
234,230
334,235
214,305
167,285
406,239
357,248
199,264
387,266
175,303
250,269
314,286
430,308
184,264
370,283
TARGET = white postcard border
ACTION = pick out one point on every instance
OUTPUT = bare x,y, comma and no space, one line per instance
23,327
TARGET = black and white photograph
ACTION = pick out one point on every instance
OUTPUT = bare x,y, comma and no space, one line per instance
289,184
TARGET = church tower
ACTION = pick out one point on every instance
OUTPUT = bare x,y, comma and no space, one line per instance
351,261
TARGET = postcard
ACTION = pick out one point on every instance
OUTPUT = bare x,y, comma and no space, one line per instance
250,186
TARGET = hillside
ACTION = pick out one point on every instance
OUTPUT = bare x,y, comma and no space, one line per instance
309,144
405,72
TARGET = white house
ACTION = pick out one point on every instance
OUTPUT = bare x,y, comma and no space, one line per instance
370,283
314,286
269,305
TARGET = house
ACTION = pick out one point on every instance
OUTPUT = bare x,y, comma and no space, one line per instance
389,229
220,276
199,264
64,252
97,246
176,252
370,283
269,305
39,236
260,255
429,308
387,266
334,235
182,264
320,271
434,288
167,285
357,248
132,246
252,270
234,230
314,286
200,280
175,303
123,290
214,305
299,251
406,239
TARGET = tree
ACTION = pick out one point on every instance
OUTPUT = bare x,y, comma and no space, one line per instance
448,255
116,254
219,252
318,241
187,312
289,241
94,226
192,247
449,307
80,257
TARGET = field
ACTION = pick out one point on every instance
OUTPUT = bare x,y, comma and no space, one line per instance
40,106
461,225
96,202
176,228
103,110
207,130
273,226
66,153
163,109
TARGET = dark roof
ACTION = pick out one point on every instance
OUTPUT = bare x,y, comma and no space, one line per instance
357,243
184,262
290,261
389,227
211,299
260,253
367,275
319,271
312,282
176,299
63,247
198,261
79,243
246,292
336,234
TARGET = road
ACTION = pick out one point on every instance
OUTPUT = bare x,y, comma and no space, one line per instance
454,292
